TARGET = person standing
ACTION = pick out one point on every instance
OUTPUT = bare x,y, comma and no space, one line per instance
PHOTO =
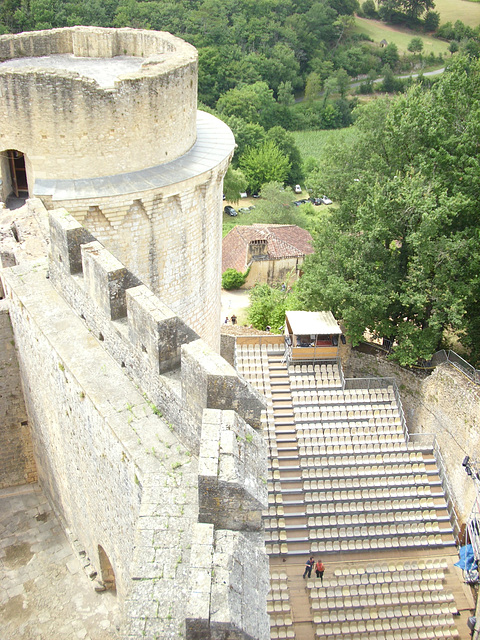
308,567
320,569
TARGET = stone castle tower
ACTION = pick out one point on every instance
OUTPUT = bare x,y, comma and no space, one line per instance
104,122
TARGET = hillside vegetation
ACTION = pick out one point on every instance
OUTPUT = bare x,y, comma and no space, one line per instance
400,255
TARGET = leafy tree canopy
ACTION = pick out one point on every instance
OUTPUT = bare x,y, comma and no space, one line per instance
400,255
264,164
268,305
234,184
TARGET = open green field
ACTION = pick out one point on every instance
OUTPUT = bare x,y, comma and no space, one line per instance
379,31
452,10
312,143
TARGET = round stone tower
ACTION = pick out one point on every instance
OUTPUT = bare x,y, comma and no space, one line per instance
104,122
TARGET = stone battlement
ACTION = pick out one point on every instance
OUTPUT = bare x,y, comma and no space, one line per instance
146,442
143,335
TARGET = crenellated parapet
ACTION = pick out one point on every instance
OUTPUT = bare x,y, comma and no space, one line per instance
144,336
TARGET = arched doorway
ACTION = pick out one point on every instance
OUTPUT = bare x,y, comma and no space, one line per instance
14,175
106,569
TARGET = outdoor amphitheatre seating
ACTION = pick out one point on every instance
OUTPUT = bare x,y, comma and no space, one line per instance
344,480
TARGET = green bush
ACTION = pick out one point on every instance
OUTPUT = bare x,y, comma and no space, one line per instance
233,279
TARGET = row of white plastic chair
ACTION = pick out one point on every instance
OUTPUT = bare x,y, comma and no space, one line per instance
375,583
361,506
432,626
366,544
282,633
379,493
360,471
427,515
379,613
363,544
342,395
357,595
337,458
347,429
366,481
349,508
407,528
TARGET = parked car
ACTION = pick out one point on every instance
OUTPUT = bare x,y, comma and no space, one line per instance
230,211
325,200
315,201
298,188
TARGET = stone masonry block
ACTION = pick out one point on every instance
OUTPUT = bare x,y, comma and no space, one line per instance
106,280
239,562
155,329
208,381
232,472
66,237
197,619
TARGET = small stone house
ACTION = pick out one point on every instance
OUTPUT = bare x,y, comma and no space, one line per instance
274,252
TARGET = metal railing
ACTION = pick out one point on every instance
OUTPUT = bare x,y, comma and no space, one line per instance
440,357
473,528
447,491
380,383
452,358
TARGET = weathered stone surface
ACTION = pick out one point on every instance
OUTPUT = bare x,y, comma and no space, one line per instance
17,464
232,472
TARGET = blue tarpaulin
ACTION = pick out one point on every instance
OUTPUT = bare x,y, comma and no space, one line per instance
467,560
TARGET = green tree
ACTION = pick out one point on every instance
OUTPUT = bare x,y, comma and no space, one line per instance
286,144
343,81
330,86
262,164
253,103
246,135
267,307
413,9
400,255
453,47
233,279
234,184
431,21
285,94
415,45
390,55
369,9
313,86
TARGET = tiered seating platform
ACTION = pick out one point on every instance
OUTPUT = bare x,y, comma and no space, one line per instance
346,485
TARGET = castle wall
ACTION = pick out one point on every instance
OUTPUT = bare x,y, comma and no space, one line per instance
144,441
17,465
69,127
449,407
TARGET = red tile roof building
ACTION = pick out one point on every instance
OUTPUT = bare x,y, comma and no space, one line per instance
274,252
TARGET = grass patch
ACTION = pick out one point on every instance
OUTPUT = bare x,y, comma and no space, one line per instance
312,143
401,36
453,10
